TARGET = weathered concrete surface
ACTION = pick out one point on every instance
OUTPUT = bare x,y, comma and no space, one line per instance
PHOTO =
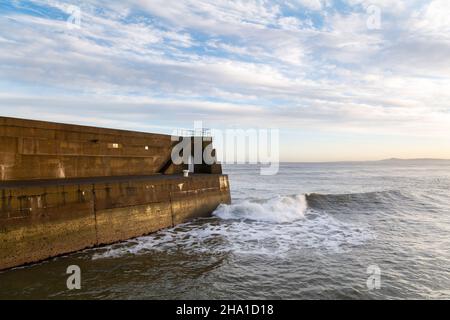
68,187
42,219
44,150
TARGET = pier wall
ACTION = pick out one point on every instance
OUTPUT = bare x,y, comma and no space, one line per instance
46,219
43,150
64,188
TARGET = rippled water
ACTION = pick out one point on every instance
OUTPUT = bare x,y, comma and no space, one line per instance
310,232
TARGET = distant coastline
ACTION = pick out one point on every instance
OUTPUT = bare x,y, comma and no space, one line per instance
389,160
413,159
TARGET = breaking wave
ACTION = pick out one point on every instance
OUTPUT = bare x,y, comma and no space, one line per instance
359,203
283,209
279,226
278,209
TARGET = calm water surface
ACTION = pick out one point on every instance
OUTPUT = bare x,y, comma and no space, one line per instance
309,232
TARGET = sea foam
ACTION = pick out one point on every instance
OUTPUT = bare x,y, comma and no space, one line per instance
279,226
279,209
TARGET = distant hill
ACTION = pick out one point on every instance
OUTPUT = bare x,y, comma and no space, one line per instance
416,159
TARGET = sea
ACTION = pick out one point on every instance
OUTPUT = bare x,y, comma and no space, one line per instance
347,230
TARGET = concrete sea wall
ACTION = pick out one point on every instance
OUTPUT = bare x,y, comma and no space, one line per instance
104,195
47,219
42,150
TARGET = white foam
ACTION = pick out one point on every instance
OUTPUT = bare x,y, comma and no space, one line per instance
278,209
277,227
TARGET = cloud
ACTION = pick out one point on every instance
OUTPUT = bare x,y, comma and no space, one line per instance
165,63
310,4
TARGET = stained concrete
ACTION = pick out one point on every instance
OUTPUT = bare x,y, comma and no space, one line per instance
43,150
64,188
42,221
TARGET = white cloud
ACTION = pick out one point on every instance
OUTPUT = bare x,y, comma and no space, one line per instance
233,62
311,4
433,20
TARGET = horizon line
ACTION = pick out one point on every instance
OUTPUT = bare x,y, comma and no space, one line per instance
351,161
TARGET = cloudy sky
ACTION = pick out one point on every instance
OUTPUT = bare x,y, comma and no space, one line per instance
341,79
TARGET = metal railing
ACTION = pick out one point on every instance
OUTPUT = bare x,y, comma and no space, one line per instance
200,132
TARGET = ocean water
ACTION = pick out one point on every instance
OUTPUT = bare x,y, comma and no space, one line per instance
313,231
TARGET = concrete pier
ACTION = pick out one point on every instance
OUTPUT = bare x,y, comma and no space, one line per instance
64,188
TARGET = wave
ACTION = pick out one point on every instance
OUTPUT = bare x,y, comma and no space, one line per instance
280,226
380,201
280,209
374,195
284,209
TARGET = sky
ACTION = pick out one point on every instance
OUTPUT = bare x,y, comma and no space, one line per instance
341,79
